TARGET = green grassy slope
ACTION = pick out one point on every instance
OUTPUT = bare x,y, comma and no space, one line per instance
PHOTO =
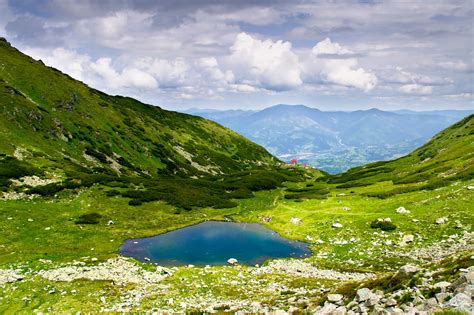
54,121
447,157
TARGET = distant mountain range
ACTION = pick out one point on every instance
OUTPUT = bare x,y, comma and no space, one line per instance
335,140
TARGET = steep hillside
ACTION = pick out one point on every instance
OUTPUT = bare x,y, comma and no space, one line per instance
54,121
335,141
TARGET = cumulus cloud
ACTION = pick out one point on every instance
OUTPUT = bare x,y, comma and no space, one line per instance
128,78
416,89
326,47
264,63
199,50
333,63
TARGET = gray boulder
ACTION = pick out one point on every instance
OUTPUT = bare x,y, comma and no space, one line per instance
363,294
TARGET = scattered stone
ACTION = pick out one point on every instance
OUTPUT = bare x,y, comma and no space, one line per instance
118,270
373,300
296,267
442,284
9,275
406,270
409,238
391,302
441,220
363,294
232,261
346,208
470,187
110,222
337,225
462,302
334,297
296,221
402,210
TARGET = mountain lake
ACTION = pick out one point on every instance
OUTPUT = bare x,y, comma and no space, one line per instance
213,243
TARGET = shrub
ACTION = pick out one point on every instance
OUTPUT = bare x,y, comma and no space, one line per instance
47,190
112,193
382,224
89,218
135,202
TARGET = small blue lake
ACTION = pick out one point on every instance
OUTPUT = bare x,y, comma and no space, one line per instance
213,243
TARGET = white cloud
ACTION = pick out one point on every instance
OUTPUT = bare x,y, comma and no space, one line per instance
264,63
401,76
328,61
128,78
457,65
326,47
416,89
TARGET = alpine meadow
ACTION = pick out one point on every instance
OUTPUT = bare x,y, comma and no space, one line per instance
109,204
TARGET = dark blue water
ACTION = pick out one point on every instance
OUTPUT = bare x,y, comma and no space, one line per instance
213,243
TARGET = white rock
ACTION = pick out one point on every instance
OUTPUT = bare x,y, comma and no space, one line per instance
296,221
461,301
334,297
232,261
402,210
110,222
337,225
407,270
363,294
442,284
441,220
408,238
391,302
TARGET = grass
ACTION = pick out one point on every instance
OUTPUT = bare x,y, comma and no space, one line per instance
150,172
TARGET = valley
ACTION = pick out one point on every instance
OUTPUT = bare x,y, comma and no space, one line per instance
82,171
334,141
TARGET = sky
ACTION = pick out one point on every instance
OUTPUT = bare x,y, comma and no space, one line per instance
249,54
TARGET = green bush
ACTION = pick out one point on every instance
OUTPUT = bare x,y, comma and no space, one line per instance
135,202
383,225
89,218
13,168
47,190
112,193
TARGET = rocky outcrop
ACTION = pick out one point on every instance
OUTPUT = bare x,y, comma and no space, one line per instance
119,270
306,270
9,275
